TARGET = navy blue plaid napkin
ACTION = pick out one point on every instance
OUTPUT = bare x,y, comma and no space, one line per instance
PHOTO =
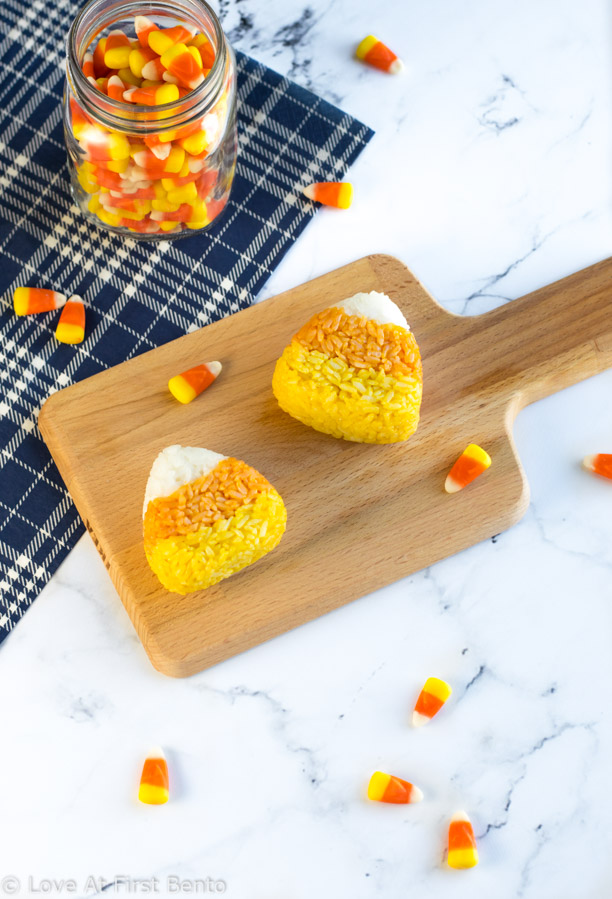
142,294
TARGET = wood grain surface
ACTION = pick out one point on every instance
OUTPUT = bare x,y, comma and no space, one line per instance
359,517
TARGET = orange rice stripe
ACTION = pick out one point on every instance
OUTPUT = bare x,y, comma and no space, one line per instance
362,342
219,494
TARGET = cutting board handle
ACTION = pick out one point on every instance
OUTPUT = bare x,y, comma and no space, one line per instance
549,339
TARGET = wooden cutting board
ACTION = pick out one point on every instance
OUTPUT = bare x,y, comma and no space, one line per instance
359,517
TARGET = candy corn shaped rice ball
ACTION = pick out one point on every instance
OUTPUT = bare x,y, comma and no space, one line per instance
207,516
353,371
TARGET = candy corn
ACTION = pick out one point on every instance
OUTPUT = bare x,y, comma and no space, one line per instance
100,67
431,699
143,28
192,383
71,326
185,64
462,852
599,464
115,87
117,50
386,788
171,164
154,784
29,300
164,38
470,464
375,53
152,96
88,65
331,193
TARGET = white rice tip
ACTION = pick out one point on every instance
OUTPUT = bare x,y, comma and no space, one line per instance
419,720
377,306
416,795
177,465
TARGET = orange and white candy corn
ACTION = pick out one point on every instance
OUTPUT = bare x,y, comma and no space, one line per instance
207,51
470,464
375,53
115,88
331,193
143,28
192,383
462,851
185,64
152,96
100,67
30,300
154,782
162,39
431,699
600,464
88,65
117,50
387,788
71,325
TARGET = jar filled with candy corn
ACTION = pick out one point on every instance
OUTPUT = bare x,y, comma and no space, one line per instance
150,116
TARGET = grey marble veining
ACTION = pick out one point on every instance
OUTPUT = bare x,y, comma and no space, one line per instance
489,176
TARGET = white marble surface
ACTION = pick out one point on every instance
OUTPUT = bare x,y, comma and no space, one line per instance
489,176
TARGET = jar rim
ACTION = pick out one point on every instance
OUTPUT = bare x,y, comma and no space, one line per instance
166,116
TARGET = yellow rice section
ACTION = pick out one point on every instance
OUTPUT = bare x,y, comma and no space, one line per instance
364,405
201,558
212,527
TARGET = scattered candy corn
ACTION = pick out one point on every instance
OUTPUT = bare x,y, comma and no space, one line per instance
600,464
71,326
154,784
386,788
470,464
431,699
462,852
29,300
192,383
331,193
375,53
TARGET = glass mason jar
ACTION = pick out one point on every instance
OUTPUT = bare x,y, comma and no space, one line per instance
150,171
